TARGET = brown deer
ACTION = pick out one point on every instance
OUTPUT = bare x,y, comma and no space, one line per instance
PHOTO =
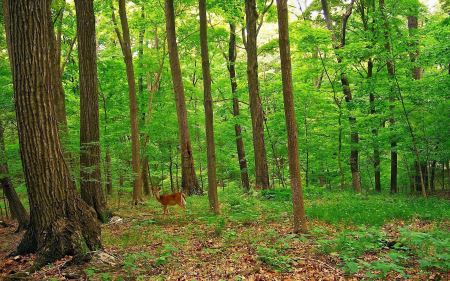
173,199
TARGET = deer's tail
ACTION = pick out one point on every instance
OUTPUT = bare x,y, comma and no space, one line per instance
183,198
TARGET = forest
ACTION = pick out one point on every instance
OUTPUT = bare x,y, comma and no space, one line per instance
225,140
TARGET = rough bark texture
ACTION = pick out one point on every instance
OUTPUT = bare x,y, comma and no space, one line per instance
90,177
61,223
209,116
16,207
291,125
354,136
135,145
237,127
189,180
391,74
376,149
261,168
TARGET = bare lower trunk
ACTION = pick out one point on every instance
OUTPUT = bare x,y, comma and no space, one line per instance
189,181
261,168
237,127
291,125
61,223
135,145
391,73
376,149
109,186
209,117
90,176
433,176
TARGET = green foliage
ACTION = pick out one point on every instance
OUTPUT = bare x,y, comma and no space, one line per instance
432,248
274,259
166,253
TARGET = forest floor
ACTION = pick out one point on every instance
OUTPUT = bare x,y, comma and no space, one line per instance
351,237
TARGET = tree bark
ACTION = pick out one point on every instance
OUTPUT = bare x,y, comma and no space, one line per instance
237,127
90,175
433,176
261,167
289,110
413,25
135,145
61,223
109,187
354,136
209,116
376,148
189,180
15,206
391,74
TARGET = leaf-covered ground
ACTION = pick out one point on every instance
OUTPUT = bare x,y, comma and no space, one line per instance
374,237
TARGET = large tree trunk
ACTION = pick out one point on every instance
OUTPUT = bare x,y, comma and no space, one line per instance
16,207
261,168
135,145
237,127
291,125
189,180
391,74
209,116
90,177
354,136
61,223
376,148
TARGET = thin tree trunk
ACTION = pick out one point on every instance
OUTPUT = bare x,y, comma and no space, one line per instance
376,149
261,168
171,170
15,206
90,175
135,145
391,73
291,125
109,186
189,181
417,75
433,176
354,136
237,127
61,223
209,116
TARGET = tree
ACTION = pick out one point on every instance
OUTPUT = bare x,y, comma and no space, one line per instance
125,44
16,207
413,25
391,74
61,223
289,111
337,44
90,177
209,116
256,110
189,181
237,127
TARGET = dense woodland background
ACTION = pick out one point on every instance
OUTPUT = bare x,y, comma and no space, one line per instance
370,84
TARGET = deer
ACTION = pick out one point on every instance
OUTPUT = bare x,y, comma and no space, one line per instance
173,199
